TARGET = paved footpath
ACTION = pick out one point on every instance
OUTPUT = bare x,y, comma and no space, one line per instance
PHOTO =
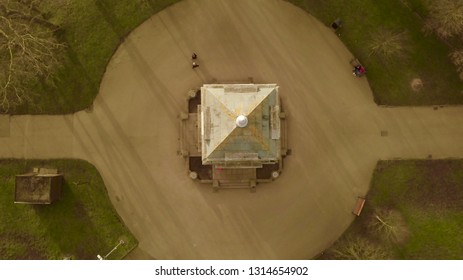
334,131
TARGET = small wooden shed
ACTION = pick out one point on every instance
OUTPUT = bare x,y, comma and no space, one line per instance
41,186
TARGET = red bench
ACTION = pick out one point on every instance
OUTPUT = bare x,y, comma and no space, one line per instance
359,206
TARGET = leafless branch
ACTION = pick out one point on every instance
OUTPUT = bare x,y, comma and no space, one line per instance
28,50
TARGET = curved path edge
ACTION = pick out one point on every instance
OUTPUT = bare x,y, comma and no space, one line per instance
335,131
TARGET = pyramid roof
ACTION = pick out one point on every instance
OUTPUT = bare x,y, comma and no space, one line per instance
240,124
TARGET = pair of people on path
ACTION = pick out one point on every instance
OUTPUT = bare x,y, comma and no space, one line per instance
194,56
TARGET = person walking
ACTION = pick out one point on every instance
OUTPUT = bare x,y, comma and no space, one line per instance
195,65
194,56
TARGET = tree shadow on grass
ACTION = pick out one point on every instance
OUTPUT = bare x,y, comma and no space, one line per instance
158,5
106,10
65,100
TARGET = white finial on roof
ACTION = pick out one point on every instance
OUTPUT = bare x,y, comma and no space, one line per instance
241,121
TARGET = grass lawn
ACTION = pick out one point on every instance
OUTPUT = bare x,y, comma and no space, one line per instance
92,31
426,57
427,195
82,224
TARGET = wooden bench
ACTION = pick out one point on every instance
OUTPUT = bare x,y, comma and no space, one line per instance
359,206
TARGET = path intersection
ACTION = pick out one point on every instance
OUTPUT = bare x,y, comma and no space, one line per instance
335,130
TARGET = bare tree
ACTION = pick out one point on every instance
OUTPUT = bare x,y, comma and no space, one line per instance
388,225
457,59
388,44
29,50
445,17
358,248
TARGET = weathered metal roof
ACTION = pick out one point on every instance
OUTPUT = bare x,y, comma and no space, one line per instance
240,124
42,186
